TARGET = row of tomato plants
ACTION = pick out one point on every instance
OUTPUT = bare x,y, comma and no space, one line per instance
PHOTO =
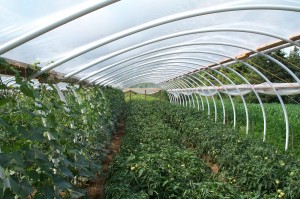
161,158
275,121
50,148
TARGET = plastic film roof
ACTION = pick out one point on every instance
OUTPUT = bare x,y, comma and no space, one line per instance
154,62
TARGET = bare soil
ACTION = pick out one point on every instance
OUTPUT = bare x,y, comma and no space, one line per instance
96,189
214,167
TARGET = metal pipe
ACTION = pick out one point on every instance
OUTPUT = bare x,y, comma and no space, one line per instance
222,102
188,77
69,16
158,22
227,44
191,98
174,35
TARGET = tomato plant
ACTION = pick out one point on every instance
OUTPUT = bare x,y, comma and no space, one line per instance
162,157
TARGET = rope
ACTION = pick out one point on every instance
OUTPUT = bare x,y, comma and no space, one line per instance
286,61
268,72
258,82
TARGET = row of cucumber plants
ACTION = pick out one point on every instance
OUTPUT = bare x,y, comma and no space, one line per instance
50,148
161,158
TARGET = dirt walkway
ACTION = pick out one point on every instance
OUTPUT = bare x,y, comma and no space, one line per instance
96,188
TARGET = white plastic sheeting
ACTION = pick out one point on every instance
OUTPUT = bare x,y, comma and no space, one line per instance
242,89
18,17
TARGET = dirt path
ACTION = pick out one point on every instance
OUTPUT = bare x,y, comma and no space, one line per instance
214,167
96,188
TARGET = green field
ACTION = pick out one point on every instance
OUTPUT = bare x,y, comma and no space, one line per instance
276,134
171,151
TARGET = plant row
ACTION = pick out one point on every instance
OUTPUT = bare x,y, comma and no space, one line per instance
51,148
164,148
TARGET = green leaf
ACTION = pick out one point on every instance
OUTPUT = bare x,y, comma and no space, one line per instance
3,122
76,194
27,91
141,172
18,79
45,193
3,86
22,188
61,182
66,172
4,158
3,101
2,173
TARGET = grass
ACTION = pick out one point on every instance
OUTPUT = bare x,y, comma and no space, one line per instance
276,133
276,129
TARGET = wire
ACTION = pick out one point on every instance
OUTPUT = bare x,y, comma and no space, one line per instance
268,72
286,61
257,81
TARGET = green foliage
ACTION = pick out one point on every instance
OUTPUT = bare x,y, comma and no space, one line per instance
161,95
145,85
275,122
160,158
270,69
49,148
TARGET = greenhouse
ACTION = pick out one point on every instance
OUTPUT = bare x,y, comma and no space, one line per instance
149,99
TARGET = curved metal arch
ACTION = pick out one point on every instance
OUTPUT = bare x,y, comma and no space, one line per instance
207,101
230,98
158,22
260,74
127,78
242,47
260,103
177,99
178,34
172,97
275,91
213,98
134,67
245,106
186,84
202,83
173,53
196,95
258,98
156,77
243,100
167,59
208,108
163,86
222,102
181,97
138,67
52,25
193,98
160,61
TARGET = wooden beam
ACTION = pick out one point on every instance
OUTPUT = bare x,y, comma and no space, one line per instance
248,54
10,67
